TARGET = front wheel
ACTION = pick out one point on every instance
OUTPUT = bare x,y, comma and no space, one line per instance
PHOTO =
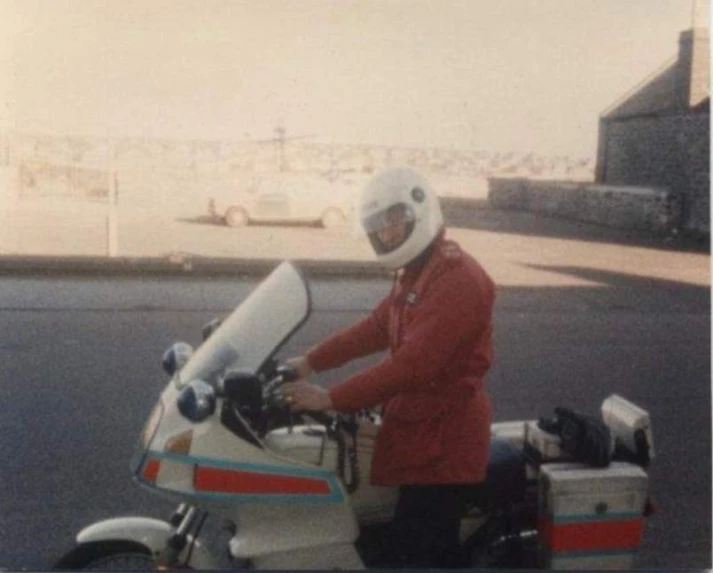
122,562
108,556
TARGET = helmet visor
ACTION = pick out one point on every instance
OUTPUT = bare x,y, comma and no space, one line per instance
390,228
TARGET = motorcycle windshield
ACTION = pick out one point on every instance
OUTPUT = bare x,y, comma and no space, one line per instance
255,330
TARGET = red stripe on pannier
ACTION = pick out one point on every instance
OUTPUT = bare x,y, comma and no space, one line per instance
591,535
236,481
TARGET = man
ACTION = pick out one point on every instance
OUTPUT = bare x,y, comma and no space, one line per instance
437,324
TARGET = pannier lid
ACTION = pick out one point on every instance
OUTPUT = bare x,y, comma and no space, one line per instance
578,479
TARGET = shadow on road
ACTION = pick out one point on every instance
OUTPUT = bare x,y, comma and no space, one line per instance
625,291
478,215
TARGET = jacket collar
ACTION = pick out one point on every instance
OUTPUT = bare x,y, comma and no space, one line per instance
412,270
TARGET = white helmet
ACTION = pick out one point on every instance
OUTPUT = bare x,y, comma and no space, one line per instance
403,192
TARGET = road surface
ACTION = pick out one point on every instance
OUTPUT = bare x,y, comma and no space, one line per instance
80,371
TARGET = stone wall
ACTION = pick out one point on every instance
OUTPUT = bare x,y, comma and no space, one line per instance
668,151
643,208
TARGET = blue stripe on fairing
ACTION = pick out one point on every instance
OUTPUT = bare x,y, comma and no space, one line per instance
575,518
335,495
297,498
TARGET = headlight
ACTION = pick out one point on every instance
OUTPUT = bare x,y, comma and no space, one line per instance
196,402
176,357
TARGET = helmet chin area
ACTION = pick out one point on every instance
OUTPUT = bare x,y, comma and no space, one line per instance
402,256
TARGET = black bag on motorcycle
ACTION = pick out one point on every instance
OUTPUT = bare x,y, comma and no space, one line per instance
586,438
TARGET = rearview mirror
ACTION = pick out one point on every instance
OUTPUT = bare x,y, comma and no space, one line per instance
210,327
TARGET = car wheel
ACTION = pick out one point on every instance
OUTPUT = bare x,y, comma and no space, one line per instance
236,217
332,218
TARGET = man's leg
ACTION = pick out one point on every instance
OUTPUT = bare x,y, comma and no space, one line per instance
426,526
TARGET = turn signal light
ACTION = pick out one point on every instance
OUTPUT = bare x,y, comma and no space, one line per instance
180,443
151,469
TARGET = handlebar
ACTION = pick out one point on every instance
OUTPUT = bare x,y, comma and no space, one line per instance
285,374
281,375
260,400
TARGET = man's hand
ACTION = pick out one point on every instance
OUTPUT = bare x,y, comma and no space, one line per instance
306,396
300,364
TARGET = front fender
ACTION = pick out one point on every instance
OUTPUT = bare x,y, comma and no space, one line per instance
151,533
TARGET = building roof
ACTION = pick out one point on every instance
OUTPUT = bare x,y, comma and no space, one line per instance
655,94
682,83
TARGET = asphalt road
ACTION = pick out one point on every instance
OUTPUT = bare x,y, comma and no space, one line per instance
80,371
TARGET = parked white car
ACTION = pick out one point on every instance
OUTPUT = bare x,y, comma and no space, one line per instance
280,199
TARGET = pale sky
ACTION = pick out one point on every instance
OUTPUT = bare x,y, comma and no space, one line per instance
497,75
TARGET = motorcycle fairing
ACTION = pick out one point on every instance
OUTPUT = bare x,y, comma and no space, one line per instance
217,467
240,482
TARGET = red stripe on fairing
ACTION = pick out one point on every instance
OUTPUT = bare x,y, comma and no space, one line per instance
591,535
150,471
236,481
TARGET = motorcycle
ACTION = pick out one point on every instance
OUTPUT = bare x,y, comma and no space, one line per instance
222,441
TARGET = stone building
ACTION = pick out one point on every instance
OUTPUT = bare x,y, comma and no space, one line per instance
658,135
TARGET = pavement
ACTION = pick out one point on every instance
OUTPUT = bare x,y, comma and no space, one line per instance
55,237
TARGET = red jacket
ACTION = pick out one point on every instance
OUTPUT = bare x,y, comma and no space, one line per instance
437,322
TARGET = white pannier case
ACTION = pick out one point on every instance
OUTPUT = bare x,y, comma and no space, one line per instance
591,518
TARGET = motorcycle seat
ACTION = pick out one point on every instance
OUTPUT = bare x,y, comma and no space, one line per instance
506,478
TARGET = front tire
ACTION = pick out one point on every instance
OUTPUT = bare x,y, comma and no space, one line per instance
108,556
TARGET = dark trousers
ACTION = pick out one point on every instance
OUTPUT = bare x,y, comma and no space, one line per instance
426,526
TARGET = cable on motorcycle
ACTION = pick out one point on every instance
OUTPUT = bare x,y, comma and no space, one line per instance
349,428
